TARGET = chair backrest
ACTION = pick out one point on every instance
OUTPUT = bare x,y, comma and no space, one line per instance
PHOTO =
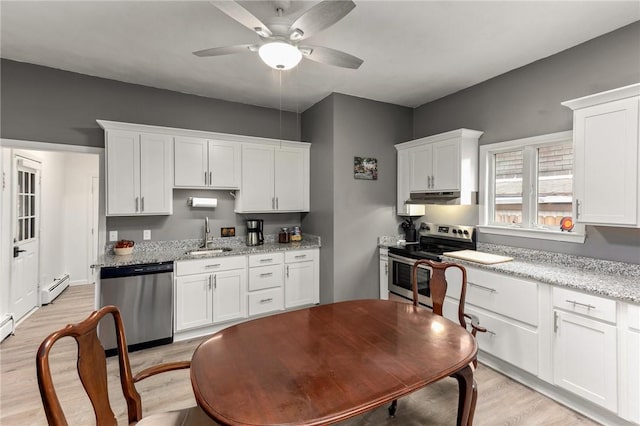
438,286
92,369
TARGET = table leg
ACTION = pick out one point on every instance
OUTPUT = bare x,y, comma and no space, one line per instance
466,391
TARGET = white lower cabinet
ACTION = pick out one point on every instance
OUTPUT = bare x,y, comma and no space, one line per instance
210,291
301,283
585,346
384,274
266,283
508,308
194,302
631,359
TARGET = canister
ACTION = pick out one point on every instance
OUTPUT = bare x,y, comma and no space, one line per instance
296,234
283,235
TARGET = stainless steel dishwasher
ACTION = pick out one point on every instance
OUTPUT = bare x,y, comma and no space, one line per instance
144,295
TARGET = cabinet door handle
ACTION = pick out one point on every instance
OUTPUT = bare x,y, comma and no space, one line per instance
492,290
137,204
210,178
142,204
433,181
586,305
215,282
555,322
266,274
287,271
493,333
277,208
428,181
273,203
210,282
577,208
386,269
205,178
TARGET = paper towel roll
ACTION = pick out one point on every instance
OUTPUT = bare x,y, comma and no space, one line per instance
203,202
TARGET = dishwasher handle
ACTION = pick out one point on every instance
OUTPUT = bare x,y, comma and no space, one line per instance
133,270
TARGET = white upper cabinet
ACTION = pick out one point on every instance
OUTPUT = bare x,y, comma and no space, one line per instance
447,162
206,163
274,178
606,177
139,173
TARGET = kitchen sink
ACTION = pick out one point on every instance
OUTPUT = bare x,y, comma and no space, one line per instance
209,250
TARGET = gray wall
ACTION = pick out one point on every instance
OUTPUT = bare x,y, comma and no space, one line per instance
362,209
49,105
317,126
526,102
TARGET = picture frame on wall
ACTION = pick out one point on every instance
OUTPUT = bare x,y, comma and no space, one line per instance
365,168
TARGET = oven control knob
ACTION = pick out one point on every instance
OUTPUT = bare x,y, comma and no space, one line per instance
455,231
466,232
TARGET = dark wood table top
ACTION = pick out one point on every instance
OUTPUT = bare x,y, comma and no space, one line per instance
326,363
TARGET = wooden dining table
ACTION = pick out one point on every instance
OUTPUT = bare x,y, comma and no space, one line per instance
327,363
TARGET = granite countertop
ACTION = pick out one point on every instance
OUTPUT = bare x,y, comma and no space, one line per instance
617,280
170,251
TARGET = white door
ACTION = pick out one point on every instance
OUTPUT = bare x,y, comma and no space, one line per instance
26,225
229,295
421,167
446,166
584,358
257,178
289,179
224,164
299,284
156,176
190,160
92,253
193,306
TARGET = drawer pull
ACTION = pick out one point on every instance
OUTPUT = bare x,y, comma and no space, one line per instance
491,332
270,299
266,260
301,256
266,274
586,305
215,265
492,290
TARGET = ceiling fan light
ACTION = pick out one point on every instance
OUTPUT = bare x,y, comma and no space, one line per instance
280,55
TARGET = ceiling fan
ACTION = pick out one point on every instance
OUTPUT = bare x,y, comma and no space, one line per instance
279,45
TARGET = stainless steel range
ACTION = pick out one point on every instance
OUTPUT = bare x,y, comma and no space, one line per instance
435,239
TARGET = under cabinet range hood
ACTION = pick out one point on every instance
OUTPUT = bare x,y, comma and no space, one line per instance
443,197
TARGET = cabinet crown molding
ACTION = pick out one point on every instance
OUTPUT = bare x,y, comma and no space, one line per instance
459,133
175,131
603,97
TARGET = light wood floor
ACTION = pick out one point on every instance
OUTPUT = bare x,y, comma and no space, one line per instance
501,401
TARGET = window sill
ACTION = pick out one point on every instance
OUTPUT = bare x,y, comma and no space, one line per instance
541,234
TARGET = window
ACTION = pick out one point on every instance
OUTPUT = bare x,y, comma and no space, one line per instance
527,188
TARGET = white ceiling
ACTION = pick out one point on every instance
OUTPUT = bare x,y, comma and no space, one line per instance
413,51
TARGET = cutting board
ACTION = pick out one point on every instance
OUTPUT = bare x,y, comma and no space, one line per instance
478,256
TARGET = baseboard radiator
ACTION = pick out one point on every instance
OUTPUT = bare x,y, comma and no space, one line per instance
58,285
7,325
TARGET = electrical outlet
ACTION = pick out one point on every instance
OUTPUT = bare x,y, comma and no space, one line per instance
146,234
113,235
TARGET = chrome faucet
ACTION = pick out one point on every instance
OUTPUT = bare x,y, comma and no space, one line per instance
207,232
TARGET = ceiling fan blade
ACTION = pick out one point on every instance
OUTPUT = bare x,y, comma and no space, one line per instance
319,17
219,51
243,16
329,56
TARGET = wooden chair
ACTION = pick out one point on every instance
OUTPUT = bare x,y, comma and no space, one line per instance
92,369
438,288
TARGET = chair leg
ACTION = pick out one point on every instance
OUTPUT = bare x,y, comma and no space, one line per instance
392,408
474,399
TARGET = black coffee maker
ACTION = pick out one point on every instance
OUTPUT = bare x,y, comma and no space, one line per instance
255,235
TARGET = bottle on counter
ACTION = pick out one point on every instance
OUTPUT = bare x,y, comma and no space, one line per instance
296,234
283,235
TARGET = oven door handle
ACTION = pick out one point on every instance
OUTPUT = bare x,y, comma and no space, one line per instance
405,260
